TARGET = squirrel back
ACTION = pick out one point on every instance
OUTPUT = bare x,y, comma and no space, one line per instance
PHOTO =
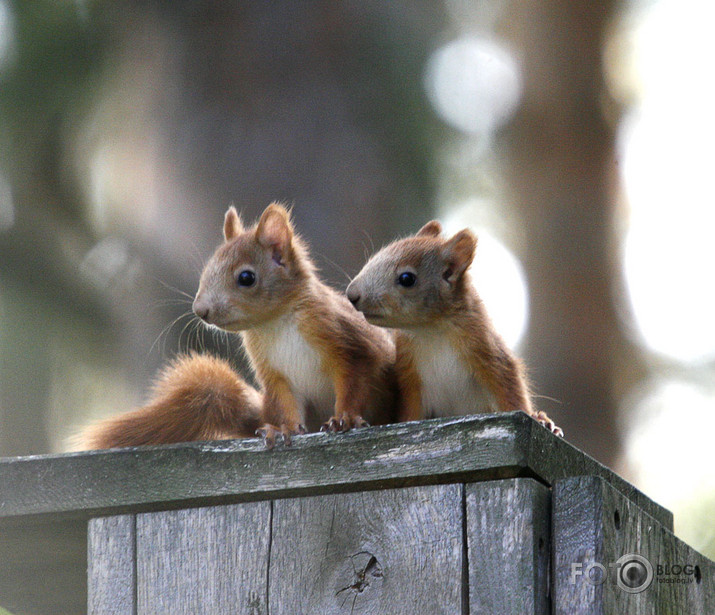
450,358
195,397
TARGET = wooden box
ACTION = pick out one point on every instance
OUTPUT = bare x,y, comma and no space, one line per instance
482,514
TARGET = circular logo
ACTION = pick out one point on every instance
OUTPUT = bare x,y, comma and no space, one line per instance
635,573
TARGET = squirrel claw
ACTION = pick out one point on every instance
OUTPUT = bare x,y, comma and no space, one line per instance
542,418
271,433
341,425
289,432
332,425
268,433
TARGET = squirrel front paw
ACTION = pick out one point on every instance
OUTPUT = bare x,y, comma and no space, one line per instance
344,423
543,418
270,433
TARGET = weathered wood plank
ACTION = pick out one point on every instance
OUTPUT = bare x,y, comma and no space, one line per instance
395,551
480,447
595,526
508,534
157,478
551,459
63,491
111,566
211,561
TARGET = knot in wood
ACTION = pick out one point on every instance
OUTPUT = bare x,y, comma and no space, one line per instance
366,570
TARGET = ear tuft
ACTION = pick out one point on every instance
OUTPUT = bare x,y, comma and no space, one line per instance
458,252
232,225
432,229
275,231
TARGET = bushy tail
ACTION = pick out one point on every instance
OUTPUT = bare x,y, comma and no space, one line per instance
195,397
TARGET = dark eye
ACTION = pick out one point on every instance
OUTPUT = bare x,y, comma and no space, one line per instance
407,279
246,278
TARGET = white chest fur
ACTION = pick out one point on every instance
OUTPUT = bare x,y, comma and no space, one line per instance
448,386
287,352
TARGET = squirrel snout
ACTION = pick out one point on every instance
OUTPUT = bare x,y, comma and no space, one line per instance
353,295
201,309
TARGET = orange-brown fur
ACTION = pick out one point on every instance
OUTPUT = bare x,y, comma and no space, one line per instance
195,397
316,359
441,324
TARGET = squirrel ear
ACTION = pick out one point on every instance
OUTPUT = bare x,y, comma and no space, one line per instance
432,229
275,231
458,253
232,225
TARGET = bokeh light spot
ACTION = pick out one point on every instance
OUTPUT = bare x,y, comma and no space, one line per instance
665,146
668,448
474,84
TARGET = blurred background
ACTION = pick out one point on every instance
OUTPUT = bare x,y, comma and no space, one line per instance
575,137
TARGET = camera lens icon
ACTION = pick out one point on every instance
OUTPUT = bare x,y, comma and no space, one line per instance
635,573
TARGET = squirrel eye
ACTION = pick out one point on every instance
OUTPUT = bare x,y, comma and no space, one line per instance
246,278
407,279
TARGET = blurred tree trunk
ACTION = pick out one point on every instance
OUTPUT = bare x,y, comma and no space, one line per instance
561,175
318,104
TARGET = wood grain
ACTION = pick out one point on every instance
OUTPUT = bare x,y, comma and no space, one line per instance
388,552
211,561
479,447
508,535
47,500
111,566
594,524
555,458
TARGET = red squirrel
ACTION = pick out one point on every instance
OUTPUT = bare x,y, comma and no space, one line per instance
195,397
317,361
450,359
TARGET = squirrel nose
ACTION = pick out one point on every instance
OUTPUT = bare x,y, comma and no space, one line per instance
353,295
201,310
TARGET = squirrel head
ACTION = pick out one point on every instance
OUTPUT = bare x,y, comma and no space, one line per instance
413,282
255,274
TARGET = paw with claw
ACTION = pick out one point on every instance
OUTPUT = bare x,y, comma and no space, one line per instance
344,423
271,434
542,418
